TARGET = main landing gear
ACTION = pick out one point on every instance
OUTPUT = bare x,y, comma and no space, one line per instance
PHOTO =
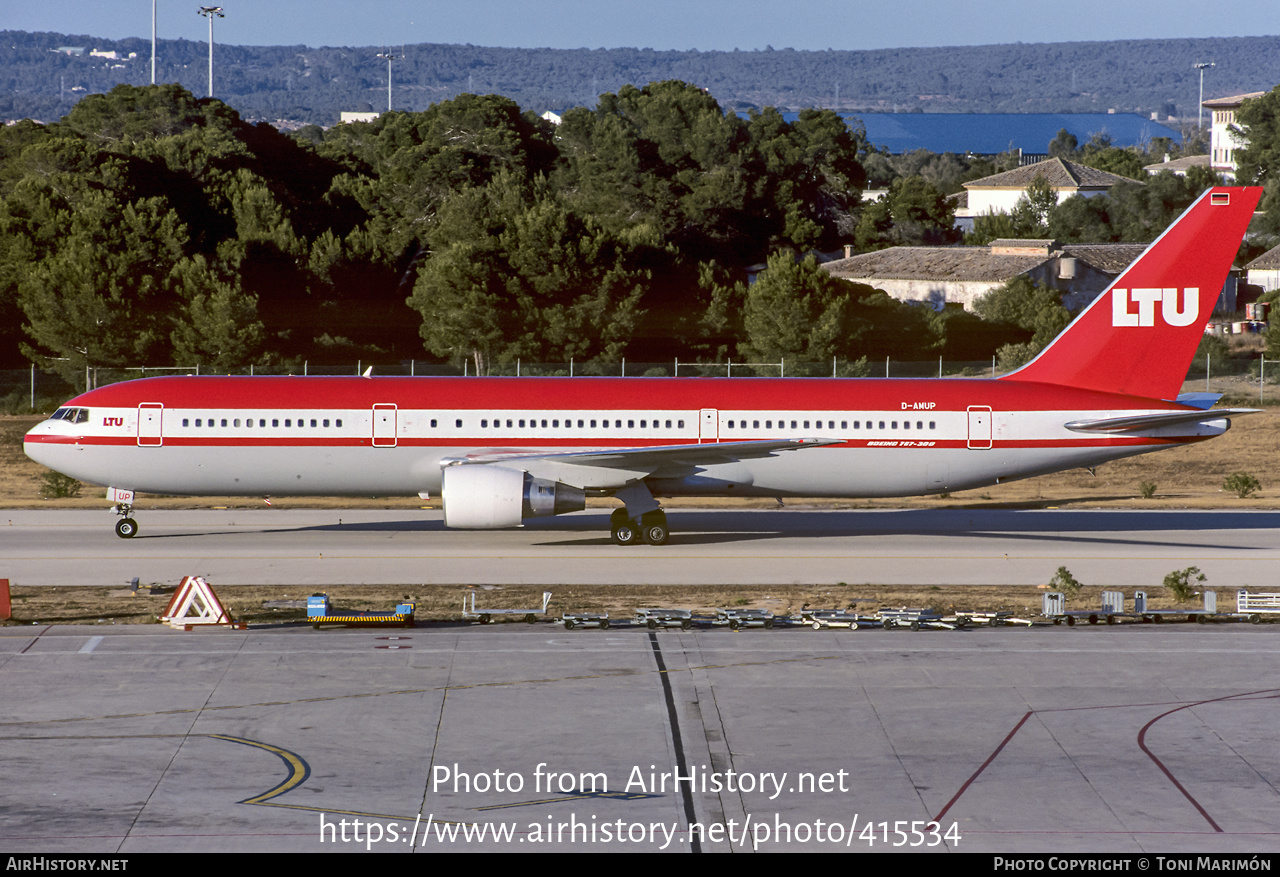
641,521
651,527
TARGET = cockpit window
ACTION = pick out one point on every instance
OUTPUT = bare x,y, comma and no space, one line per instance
71,415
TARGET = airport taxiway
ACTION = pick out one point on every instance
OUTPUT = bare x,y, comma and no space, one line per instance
795,545
1129,739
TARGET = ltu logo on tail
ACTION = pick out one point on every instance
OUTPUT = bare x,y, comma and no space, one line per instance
1146,300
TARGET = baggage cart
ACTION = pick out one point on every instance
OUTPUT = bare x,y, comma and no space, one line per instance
916,618
655,618
486,616
1254,607
827,619
737,619
1157,616
585,619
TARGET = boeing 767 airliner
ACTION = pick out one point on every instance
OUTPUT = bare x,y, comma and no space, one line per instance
501,450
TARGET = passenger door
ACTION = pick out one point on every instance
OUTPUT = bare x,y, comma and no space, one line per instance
709,425
980,427
150,424
384,425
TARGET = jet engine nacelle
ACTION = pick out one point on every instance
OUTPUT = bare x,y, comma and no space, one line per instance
491,497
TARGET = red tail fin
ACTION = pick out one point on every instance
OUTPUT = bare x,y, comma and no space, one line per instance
1140,335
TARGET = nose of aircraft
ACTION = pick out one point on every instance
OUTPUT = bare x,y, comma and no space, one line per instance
47,444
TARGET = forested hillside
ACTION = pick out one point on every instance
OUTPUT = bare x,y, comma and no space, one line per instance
309,84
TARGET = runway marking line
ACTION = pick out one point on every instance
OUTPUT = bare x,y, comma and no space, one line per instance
35,639
298,768
1142,744
298,772
1141,740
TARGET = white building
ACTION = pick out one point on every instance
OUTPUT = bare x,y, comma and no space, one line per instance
1222,140
1264,271
999,193
1178,166
938,276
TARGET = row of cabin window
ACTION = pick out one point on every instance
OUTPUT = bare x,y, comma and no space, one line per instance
582,424
262,422
831,424
555,424
732,424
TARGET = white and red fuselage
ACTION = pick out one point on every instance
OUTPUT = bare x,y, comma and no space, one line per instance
296,436
499,450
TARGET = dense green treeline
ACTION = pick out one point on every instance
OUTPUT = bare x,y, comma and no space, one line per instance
152,227
149,226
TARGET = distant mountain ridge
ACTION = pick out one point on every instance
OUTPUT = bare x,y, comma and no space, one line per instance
301,84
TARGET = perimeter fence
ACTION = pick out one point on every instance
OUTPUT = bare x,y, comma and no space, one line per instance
40,390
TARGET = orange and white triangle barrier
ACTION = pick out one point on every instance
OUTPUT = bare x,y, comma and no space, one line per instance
195,603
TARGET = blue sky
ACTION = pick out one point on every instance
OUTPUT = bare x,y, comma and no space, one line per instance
657,24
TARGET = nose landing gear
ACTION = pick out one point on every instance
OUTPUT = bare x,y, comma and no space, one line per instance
126,527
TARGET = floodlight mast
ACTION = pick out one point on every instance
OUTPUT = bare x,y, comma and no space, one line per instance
1201,66
390,56
153,42
209,12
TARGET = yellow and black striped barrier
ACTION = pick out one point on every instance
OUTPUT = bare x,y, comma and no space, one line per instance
319,612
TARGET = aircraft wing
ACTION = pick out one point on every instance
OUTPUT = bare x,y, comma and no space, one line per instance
1153,421
614,467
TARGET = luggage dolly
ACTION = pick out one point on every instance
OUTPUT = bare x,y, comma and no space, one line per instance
1053,608
916,618
998,618
485,616
1252,607
1159,616
655,618
583,619
832,618
740,618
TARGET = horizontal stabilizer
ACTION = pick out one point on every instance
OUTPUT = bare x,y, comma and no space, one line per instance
1199,400
1153,421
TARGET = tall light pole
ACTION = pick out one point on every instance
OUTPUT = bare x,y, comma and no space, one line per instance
153,42
390,56
209,12
1201,65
